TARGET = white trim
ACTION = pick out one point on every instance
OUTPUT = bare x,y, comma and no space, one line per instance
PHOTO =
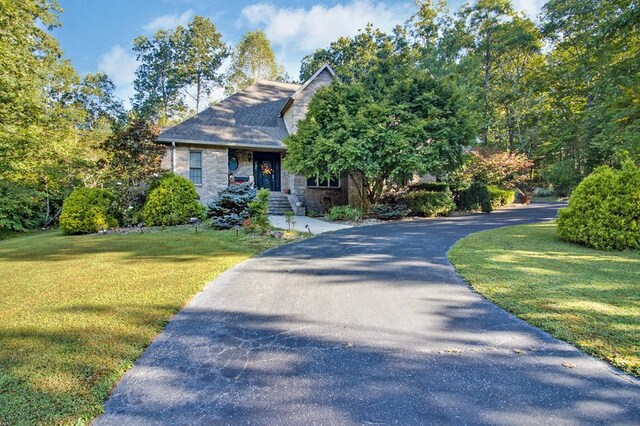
328,186
222,144
201,168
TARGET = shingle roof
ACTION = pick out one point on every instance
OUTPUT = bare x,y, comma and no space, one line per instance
249,118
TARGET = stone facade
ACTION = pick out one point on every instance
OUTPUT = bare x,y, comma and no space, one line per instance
214,167
298,110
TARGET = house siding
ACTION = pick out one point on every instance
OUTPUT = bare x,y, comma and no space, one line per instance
298,110
214,168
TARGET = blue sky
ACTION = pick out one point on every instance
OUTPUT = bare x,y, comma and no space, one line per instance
97,34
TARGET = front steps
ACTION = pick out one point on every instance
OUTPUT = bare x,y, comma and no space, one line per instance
278,203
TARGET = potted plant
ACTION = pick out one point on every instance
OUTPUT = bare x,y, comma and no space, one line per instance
286,191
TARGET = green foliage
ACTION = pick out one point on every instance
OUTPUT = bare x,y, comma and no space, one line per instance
544,192
200,55
476,197
173,202
563,176
87,210
398,119
389,211
20,208
345,213
253,59
259,209
289,216
158,84
501,197
231,206
429,186
604,210
132,167
426,203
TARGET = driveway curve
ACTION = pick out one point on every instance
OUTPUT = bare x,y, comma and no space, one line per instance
367,325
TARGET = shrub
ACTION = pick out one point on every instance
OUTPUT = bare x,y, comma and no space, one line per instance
476,197
345,213
259,209
20,208
231,206
604,210
500,197
389,212
563,176
544,192
427,203
429,186
172,202
87,210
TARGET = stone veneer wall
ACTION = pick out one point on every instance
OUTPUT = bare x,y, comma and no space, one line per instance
214,168
298,110
245,167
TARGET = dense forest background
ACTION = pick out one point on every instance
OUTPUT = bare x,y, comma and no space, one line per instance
562,90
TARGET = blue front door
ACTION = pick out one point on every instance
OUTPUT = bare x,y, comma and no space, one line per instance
266,169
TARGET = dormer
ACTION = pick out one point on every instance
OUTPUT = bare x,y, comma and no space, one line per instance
295,109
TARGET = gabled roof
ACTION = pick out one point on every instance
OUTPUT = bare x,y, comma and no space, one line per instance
247,119
304,86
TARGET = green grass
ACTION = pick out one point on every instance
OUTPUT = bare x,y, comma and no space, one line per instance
75,312
586,297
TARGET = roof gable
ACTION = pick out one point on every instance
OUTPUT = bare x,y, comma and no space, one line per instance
296,94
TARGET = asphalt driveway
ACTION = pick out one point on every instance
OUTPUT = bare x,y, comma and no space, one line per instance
367,325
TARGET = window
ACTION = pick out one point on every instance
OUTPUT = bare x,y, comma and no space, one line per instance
195,167
323,182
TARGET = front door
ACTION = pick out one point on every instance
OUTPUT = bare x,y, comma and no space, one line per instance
266,169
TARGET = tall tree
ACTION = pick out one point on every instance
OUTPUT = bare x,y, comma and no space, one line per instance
593,76
27,51
158,84
350,57
252,59
200,52
397,120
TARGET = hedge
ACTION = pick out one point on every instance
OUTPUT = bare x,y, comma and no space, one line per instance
428,203
500,197
604,210
87,210
476,197
173,202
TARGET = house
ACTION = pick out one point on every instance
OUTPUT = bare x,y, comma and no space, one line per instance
240,139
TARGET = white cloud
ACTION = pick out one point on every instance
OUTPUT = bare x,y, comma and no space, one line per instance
169,22
296,32
120,65
530,7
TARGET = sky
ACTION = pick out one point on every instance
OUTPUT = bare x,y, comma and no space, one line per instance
97,35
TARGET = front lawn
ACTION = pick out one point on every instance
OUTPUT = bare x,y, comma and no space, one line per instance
587,297
75,312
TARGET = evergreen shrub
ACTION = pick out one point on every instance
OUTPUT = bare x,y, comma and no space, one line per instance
428,203
604,210
174,201
87,210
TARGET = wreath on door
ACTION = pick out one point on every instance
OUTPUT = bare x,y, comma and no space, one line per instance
265,167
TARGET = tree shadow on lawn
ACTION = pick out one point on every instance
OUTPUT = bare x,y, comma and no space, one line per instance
214,366
63,371
184,246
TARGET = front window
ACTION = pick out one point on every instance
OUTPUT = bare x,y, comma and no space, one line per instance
195,167
323,182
